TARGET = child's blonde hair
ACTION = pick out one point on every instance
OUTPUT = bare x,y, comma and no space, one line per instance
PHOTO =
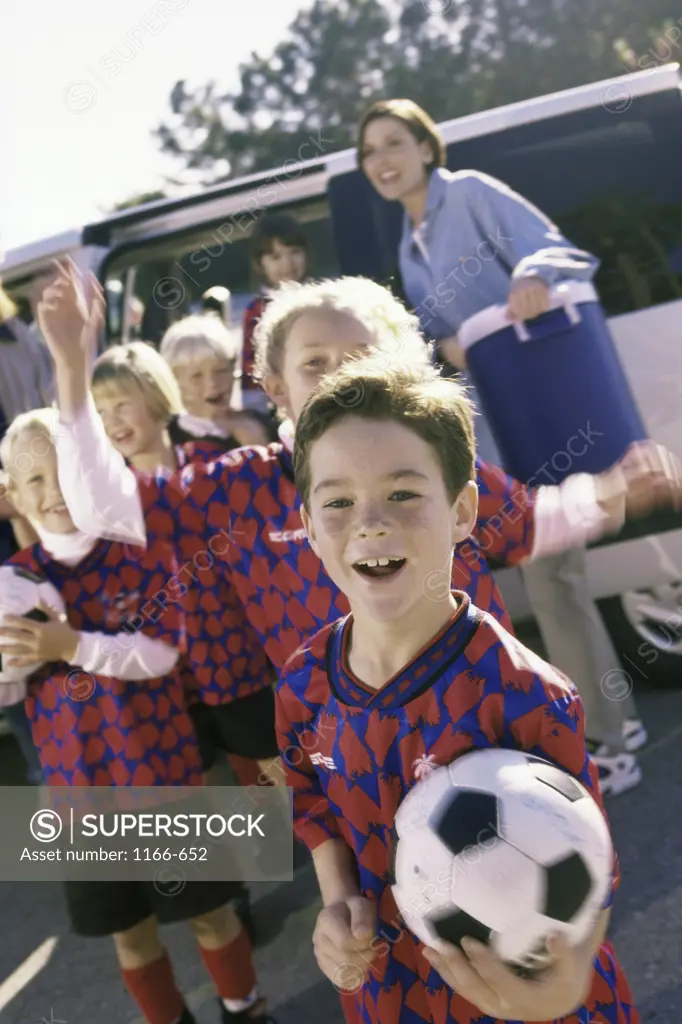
195,336
39,421
395,329
137,367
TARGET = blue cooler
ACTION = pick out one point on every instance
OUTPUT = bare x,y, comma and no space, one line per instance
552,389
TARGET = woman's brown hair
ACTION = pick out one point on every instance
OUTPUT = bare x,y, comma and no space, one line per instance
417,122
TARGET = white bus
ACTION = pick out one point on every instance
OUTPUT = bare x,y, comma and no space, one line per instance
604,160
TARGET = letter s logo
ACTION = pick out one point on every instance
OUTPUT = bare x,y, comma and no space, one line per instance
46,826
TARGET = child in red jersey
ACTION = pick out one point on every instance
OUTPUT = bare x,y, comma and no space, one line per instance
137,398
202,354
384,461
279,254
227,675
108,709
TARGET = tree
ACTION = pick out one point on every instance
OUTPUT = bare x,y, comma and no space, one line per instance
453,57
139,200
339,56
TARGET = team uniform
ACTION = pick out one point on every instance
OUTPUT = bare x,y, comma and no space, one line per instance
281,583
227,673
99,730
353,752
252,315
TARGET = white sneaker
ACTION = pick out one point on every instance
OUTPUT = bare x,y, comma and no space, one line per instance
617,772
634,735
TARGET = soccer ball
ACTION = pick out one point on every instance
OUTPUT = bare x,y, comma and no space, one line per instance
21,593
506,848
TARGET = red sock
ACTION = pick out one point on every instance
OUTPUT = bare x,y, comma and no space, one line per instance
231,968
153,989
248,771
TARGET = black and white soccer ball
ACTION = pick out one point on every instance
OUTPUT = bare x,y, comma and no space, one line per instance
503,847
22,592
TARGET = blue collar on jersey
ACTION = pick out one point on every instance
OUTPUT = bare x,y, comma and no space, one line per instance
424,670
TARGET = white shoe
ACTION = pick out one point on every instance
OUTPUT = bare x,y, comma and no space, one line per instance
635,735
617,772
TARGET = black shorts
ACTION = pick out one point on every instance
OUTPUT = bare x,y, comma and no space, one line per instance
97,909
245,727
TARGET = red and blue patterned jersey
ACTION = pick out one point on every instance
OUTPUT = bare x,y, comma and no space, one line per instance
252,314
287,595
225,656
352,752
95,730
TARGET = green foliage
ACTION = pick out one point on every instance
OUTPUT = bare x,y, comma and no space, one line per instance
138,200
453,57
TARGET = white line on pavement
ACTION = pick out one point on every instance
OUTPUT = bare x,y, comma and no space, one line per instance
26,972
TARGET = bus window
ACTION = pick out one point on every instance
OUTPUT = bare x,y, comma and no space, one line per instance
173,271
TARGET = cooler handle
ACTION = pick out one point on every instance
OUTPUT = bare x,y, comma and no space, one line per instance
560,300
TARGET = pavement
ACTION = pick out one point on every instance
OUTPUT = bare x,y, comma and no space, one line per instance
48,976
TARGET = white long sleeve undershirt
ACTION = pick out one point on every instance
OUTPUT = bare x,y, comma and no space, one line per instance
129,656
99,489
569,516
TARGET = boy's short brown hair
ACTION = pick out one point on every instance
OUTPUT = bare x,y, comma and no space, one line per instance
435,408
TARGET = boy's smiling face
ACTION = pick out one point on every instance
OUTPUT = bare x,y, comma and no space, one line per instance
317,344
381,520
35,482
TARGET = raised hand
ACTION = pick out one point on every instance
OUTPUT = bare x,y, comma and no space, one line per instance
70,315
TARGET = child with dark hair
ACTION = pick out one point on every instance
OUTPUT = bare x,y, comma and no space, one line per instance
279,253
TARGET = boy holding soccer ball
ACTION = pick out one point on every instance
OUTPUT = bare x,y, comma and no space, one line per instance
414,676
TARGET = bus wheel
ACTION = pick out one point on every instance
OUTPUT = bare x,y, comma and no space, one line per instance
646,630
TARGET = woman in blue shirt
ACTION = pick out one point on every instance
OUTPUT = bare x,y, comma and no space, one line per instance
469,242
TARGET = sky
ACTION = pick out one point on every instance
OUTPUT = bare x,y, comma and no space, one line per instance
83,82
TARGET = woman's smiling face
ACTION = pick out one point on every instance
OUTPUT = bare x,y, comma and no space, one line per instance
393,160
